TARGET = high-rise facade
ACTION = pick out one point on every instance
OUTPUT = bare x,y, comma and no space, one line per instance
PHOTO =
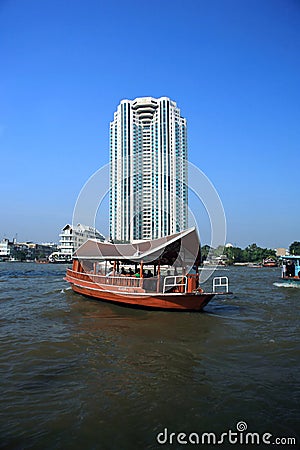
148,172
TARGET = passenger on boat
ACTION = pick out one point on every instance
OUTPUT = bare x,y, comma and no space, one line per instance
293,269
123,272
290,270
130,272
283,270
111,272
149,274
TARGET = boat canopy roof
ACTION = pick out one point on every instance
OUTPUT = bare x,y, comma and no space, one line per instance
290,257
179,249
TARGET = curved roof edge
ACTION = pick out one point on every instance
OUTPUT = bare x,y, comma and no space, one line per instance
136,252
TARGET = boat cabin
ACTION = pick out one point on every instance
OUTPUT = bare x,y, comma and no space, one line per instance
168,264
291,267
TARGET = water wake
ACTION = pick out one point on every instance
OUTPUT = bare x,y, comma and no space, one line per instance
64,290
288,285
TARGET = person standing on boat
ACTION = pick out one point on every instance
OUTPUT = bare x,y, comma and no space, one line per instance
111,272
293,267
283,270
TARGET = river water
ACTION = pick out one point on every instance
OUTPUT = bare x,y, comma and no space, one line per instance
82,374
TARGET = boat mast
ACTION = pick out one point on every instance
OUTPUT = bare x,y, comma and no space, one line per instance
158,277
141,273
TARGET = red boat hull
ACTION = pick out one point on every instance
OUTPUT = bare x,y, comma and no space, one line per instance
135,297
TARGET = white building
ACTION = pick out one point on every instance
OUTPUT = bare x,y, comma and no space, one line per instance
73,237
148,177
282,251
4,248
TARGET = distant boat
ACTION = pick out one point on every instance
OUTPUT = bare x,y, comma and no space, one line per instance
270,262
255,265
177,291
59,258
291,268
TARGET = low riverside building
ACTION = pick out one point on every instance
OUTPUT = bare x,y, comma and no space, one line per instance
24,251
4,248
281,252
72,237
40,251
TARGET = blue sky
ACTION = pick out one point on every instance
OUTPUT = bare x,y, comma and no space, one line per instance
233,67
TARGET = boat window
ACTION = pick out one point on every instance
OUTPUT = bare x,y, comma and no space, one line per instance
87,266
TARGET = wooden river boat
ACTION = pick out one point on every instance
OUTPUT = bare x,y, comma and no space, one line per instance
159,274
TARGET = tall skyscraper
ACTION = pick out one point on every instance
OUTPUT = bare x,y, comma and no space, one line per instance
148,174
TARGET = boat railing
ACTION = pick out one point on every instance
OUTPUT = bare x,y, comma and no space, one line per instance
120,281
220,283
108,280
116,280
147,284
177,282
163,284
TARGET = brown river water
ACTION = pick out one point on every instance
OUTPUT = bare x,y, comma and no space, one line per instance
82,374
